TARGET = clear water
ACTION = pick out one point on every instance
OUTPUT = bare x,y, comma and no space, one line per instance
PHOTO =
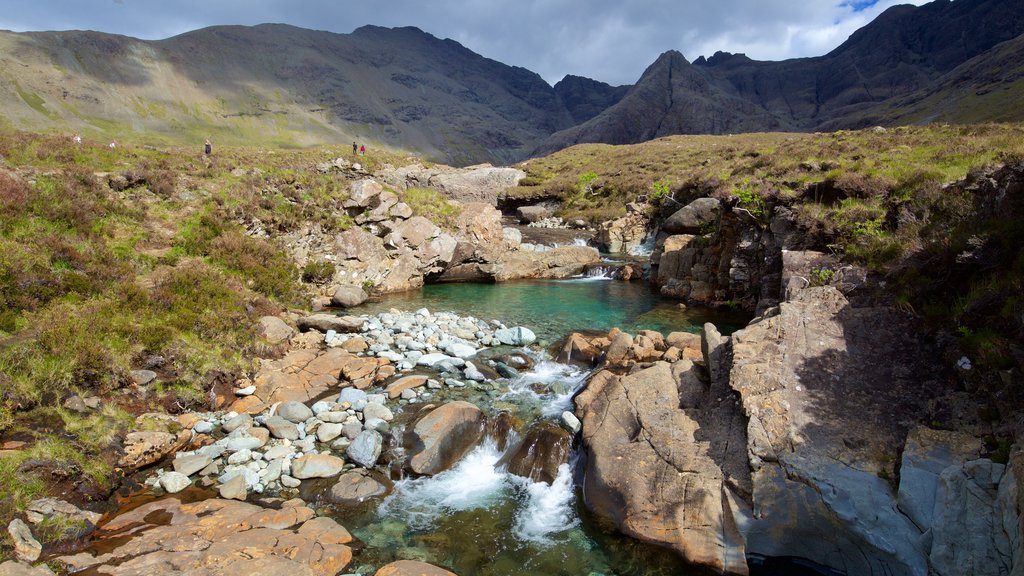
555,308
476,519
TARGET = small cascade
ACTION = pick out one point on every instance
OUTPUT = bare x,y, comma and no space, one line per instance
549,508
645,248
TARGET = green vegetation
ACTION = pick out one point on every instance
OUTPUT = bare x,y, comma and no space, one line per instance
432,205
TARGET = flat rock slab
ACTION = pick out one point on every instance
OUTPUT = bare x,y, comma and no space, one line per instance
412,568
358,486
394,390
317,466
217,537
324,322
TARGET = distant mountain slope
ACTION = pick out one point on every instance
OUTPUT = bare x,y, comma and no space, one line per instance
585,98
903,51
277,84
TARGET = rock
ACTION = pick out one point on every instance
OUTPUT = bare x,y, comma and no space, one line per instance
218,536
374,410
579,351
26,547
506,371
247,391
43,508
295,412
444,435
190,464
75,403
472,373
247,439
352,395
394,390
234,488
203,427
328,431
518,336
365,448
512,237
531,214
174,482
432,359
697,217
460,350
236,422
683,340
144,448
623,234
142,377
13,568
357,486
830,390
351,430
570,422
635,432
290,482
926,455
274,330
317,466
347,296
282,428
542,451
323,322
412,568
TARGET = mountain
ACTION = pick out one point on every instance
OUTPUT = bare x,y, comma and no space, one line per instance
905,50
585,98
280,85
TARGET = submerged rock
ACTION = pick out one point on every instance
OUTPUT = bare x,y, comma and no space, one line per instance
542,451
357,486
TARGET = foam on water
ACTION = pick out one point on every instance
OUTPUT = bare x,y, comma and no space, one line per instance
548,510
473,483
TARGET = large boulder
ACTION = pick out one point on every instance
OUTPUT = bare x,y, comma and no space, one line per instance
626,233
480,224
830,391
347,296
542,451
663,474
442,436
324,322
411,568
694,218
274,330
531,214
147,447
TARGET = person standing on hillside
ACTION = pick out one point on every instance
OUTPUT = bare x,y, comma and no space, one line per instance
355,149
207,148
362,150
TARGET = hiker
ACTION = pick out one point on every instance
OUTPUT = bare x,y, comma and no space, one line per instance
362,150
355,149
207,148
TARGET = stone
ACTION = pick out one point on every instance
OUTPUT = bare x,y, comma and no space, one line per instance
351,430
328,431
380,411
357,486
408,395
365,449
145,448
538,457
683,340
281,428
247,391
295,412
531,214
694,218
506,371
323,322
579,351
517,336
174,482
142,377
274,330
316,466
190,464
43,508
473,373
236,422
26,547
279,451
218,536
926,455
290,482
352,395
75,403
348,296
412,568
432,359
14,568
234,488
570,422
460,350
443,435
395,389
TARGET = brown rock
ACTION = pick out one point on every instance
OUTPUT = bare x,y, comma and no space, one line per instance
545,448
323,322
683,340
396,388
347,296
358,486
443,436
412,568
580,351
144,448
219,536
274,330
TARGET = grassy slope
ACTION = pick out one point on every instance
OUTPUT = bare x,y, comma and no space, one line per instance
94,279
876,198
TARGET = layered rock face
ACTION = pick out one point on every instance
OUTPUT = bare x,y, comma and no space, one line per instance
784,440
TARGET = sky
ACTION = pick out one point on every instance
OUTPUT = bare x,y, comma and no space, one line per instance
608,40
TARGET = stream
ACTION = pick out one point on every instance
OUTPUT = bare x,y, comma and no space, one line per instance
478,519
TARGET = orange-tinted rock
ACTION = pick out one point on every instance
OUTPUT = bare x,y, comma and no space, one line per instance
444,435
412,568
396,388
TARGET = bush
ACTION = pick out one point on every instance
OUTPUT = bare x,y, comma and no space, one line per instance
432,205
318,271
